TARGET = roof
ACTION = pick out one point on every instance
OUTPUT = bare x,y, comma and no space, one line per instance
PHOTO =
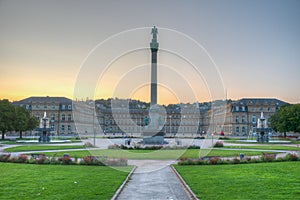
46,99
260,101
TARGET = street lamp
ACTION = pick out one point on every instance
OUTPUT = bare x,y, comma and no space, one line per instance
170,118
212,139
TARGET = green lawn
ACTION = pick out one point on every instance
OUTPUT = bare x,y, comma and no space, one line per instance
158,154
41,147
265,147
279,180
29,181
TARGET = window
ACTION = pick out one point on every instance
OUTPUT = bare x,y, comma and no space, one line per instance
63,117
243,108
63,107
69,107
243,129
62,127
237,119
52,117
69,128
243,119
69,117
236,108
37,116
253,119
52,126
237,129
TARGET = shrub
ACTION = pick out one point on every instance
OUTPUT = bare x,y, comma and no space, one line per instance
65,160
268,157
4,157
42,160
291,157
22,158
213,161
88,144
235,161
194,147
114,146
219,144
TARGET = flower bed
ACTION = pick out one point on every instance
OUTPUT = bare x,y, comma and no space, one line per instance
217,160
65,160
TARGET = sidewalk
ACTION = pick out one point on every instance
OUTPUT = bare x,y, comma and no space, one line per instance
153,180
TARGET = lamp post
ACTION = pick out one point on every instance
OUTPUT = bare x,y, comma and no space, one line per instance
93,111
170,118
212,140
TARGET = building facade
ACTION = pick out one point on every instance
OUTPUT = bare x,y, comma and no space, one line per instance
127,117
58,110
240,117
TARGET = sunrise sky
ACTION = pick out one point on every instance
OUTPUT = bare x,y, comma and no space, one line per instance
250,48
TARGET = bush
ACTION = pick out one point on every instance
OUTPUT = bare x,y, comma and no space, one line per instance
194,147
22,158
42,160
4,157
88,144
268,157
65,160
291,157
214,161
92,160
235,161
219,144
114,146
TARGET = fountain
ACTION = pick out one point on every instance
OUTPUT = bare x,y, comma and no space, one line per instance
44,129
262,131
44,133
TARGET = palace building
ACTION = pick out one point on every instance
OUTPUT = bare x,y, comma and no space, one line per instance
180,120
58,110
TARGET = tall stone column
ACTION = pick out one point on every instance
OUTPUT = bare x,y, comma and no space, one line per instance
154,49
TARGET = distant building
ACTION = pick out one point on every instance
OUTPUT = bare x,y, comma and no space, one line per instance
241,116
119,117
58,109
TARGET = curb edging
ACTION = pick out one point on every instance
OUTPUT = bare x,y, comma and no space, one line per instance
120,189
186,187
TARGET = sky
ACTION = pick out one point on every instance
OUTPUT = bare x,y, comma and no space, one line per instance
100,49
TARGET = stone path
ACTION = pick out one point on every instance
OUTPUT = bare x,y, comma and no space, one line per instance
153,180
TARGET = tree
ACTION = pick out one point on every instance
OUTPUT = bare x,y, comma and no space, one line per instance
7,113
32,123
22,117
286,119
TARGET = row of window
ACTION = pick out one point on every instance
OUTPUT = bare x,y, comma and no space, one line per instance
237,129
62,128
243,119
63,117
46,107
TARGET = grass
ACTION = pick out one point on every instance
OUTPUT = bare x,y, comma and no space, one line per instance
248,181
26,181
159,154
41,147
266,147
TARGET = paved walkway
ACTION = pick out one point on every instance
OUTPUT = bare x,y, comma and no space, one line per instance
153,180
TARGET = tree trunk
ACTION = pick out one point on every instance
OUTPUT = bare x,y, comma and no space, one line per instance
3,135
21,135
284,134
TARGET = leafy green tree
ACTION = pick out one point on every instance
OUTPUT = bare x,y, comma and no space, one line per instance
32,123
286,119
22,117
7,114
